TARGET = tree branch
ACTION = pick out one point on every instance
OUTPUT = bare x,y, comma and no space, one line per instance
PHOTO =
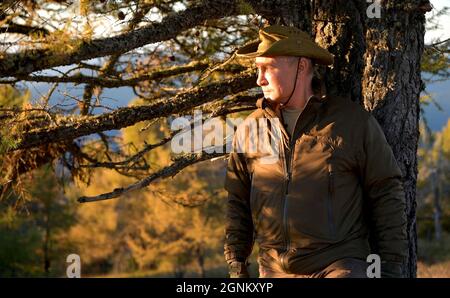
242,102
116,83
32,60
166,172
23,29
12,166
70,129
131,159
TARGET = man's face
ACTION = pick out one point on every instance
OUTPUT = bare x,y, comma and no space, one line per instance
276,76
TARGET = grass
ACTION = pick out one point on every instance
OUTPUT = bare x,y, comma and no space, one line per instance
434,257
441,270
433,261
215,268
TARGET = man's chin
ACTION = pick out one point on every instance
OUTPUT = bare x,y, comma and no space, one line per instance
271,99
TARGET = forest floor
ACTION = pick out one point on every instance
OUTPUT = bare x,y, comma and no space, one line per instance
433,261
434,257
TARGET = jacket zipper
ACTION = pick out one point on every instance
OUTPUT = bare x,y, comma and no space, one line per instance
288,169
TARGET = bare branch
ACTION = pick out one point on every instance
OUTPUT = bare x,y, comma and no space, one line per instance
242,102
115,83
437,43
23,29
166,172
108,68
70,129
32,60
130,159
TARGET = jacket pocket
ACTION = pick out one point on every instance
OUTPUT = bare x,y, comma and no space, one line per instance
330,200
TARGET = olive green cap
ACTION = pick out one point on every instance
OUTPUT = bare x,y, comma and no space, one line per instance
277,40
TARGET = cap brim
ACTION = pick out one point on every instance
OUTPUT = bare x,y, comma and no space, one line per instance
280,48
249,51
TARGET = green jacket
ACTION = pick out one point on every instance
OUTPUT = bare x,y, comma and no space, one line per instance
335,181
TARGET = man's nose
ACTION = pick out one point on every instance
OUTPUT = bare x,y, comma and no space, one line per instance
261,81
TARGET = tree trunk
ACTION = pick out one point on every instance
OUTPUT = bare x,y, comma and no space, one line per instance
391,89
200,258
339,27
201,264
437,211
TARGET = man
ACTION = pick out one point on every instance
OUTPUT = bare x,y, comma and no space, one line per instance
335,181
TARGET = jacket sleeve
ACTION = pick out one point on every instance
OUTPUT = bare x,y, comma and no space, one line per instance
385,199
239,225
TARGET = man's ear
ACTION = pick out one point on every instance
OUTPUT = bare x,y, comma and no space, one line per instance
302,64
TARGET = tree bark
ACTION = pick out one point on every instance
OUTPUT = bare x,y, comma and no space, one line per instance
339,27
285,12
391,89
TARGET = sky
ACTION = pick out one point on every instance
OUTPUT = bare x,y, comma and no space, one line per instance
444,32
440,91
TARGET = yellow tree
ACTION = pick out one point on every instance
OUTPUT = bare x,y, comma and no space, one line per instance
173,225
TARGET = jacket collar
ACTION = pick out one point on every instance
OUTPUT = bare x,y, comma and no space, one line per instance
274,109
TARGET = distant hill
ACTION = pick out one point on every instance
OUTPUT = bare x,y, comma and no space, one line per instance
441,93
